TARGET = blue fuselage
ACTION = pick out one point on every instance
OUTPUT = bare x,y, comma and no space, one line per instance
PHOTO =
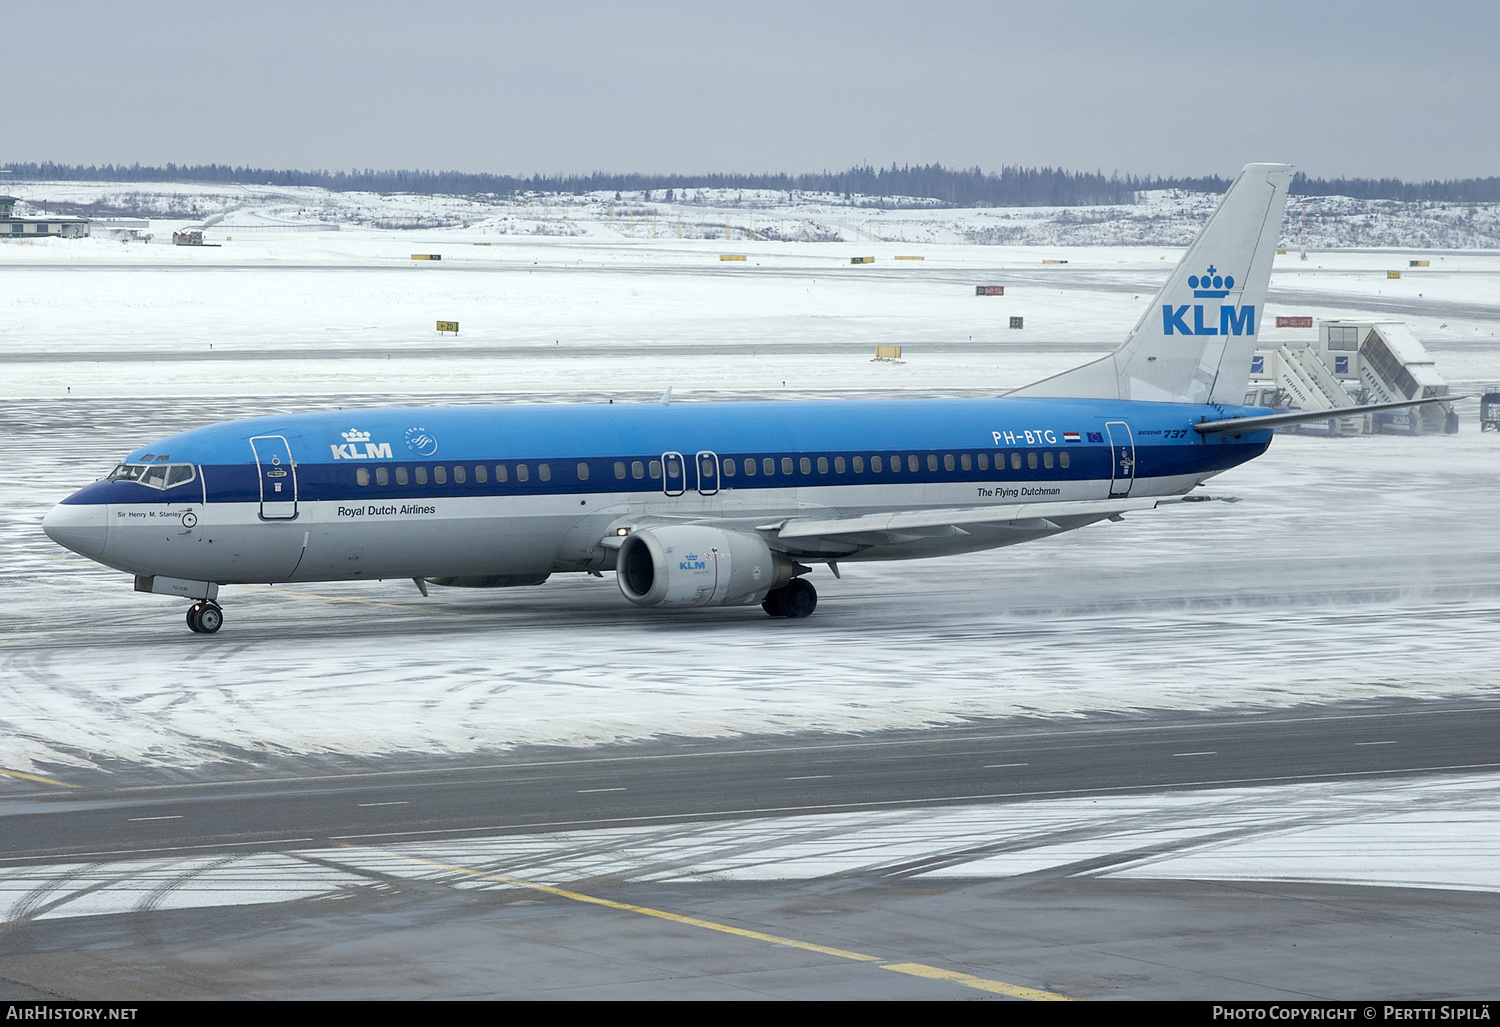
519,492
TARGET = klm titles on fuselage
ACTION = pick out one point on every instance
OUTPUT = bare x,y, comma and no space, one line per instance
371,451
357,446
1233,320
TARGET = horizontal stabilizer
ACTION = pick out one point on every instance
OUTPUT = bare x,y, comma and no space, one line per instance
1241,425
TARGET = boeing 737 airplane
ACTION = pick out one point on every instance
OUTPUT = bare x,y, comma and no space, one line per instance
707,504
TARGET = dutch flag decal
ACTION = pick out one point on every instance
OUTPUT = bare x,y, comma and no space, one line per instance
1071,436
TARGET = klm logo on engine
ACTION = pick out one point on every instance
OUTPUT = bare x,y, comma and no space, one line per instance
692,562
359,447
1233,320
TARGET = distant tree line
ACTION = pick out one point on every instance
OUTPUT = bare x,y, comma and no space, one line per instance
1458,190
1009,187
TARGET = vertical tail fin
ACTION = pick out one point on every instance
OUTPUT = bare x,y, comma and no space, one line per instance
1194,343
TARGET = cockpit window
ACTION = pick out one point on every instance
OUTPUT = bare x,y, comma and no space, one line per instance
129,472
156,476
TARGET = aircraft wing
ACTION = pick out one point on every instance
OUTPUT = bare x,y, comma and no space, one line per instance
878,528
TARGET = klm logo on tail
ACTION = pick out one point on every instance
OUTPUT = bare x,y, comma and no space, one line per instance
1233,320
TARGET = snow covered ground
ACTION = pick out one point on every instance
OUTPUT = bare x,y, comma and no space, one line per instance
1158,218
1355,569
546,316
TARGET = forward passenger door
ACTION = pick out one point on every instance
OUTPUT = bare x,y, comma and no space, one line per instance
278,477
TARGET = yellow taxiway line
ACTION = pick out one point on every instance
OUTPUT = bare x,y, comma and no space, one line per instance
914,969
35,777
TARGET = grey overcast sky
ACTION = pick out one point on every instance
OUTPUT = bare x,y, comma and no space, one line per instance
1405,88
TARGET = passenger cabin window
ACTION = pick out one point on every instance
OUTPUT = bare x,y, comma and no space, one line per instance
984,462
963,462
362,475
620,470
838,465
911,463
805,465
729,467
382,476
401,476
1031,460
481,473
1015,462
932,461
544,472
523,473
876,464
502,473
768,465
1047,460
583,471
786,465
459,475
750,466
655,469
1062,458
859,465
421,474
637,470
440,474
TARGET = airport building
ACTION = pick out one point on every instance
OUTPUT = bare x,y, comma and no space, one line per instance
1350,363
64,226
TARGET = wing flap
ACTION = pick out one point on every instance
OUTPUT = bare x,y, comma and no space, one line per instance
921,523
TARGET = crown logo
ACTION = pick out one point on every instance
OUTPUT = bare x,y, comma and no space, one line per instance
1211,285
355,435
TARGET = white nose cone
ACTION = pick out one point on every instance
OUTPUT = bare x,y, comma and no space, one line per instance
79,527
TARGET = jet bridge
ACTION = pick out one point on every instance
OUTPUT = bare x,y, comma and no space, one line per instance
1351,363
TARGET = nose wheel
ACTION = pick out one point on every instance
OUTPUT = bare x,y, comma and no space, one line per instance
205,618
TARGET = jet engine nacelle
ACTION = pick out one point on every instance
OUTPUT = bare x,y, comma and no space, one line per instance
688,565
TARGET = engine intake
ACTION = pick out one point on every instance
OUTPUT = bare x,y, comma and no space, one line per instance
688,565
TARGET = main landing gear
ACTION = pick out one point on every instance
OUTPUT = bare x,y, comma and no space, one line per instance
796,599
205,618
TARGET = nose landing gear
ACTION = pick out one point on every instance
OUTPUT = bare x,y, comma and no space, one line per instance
205,618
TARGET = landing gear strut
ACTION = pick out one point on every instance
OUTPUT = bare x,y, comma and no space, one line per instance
795,600
205,618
